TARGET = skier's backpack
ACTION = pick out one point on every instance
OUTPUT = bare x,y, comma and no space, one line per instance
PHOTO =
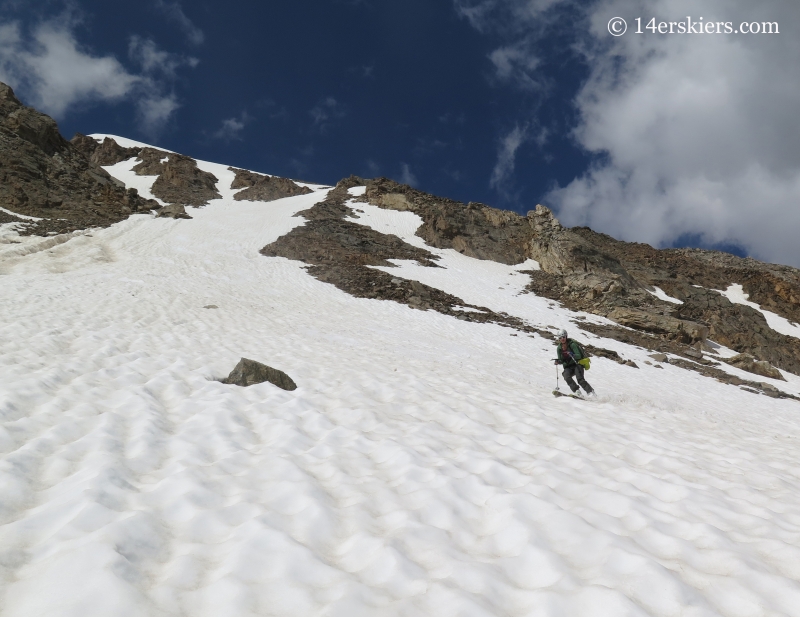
584,361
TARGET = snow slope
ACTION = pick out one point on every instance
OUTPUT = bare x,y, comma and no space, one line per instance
422,467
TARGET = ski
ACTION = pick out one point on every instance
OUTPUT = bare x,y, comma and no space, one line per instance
580,398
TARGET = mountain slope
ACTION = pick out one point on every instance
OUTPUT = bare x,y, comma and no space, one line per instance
48,181
421,467
672,294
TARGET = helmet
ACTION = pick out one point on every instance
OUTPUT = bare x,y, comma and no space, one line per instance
562,334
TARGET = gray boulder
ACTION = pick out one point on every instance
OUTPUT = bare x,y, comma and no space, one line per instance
250,372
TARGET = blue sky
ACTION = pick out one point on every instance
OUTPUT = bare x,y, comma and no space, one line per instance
666,140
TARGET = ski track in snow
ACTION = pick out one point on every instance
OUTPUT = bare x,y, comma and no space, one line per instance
422,467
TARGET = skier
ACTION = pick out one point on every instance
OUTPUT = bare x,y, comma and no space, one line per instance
569,353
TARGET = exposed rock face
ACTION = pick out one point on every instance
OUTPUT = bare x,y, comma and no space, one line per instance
179,179
475,230
105,154
338,251
5,217
43,175
593,272
172,211
328,239
249,373
258,187
675,329
748,363
151,161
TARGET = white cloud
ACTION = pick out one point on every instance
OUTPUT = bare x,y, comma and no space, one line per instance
232,128
155,111
694,134
407,176
518,64
174,11
506,156
56,73
699,132
53,72
154,60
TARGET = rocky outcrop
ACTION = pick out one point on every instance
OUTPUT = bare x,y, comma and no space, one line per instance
675,329
179,179
339,251
593,272
64,184
107,153
172,211
258,187
150,161
5,217
474,229
43,175
748,363
249,373
584,276
328,239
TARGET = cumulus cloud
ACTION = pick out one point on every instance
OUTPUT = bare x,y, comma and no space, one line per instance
55,73
693,134
698,132
174,11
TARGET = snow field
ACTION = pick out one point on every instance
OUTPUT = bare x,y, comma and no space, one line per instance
422,467
662,295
